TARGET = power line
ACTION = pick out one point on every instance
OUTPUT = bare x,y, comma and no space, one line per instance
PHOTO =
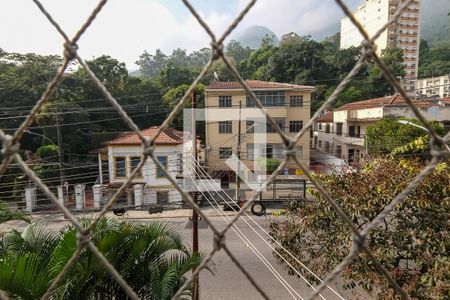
95,110
91,100
245,239
95,121
271,237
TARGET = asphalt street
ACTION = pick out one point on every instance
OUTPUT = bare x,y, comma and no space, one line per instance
227,282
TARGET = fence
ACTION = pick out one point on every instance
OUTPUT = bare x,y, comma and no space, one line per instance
10,143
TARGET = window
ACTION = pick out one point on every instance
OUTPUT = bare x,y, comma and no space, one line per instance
225,101
327,128
295,126
162,197
224,152
296,100
163,161
119,167
134,163
250,128
320,126
339,128
225,127
268,98
327,146
269,151
280,124
320,144
354,131
338,150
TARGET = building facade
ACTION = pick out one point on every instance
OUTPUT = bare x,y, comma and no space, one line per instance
125,153
433,87
404,34
288,104
342,134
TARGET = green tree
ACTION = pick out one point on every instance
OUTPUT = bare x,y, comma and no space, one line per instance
256,65
174,95
434,61
412,243
234,49
393,59
152,258
23,79
388,134
173,76
151,65
298,60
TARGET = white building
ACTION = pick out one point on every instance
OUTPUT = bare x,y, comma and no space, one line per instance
433,87
125,153
342,134
372,15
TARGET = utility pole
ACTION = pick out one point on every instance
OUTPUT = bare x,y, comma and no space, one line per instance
196,280
60,151
238,179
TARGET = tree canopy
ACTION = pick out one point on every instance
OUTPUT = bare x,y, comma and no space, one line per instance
412,243
152,258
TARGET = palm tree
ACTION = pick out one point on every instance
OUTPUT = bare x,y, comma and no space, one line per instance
152,258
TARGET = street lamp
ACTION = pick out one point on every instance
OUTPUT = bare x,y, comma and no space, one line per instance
405,122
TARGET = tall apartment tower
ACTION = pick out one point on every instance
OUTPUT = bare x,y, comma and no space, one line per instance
372,15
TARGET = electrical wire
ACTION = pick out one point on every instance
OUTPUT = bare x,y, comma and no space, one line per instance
270,236
147,172
168,110
246,240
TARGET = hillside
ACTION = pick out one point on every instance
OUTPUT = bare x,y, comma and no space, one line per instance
253,36
435,22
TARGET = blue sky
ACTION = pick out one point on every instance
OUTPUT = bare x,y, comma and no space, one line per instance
124,29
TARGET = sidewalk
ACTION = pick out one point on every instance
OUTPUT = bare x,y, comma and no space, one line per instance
57,219
143,214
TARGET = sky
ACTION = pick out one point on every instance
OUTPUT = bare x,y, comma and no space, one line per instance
125,28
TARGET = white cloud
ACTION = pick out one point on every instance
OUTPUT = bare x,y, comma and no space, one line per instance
303,17
123,29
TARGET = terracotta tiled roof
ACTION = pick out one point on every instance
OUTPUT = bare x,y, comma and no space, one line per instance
168,136
445,101
326,118
255,84
394,100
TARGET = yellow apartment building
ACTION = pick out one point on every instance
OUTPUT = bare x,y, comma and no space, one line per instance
288,104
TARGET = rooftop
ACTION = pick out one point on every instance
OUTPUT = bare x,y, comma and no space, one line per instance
168,136
394,100
255,84
326,118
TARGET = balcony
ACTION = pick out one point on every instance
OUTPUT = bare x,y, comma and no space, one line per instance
349,140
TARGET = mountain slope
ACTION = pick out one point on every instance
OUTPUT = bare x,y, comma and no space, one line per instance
435,22
253,36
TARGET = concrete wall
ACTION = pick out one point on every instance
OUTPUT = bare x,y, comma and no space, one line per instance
149,169
373,14
216,140
432,113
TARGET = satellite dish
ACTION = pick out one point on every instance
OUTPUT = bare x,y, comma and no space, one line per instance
216,77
